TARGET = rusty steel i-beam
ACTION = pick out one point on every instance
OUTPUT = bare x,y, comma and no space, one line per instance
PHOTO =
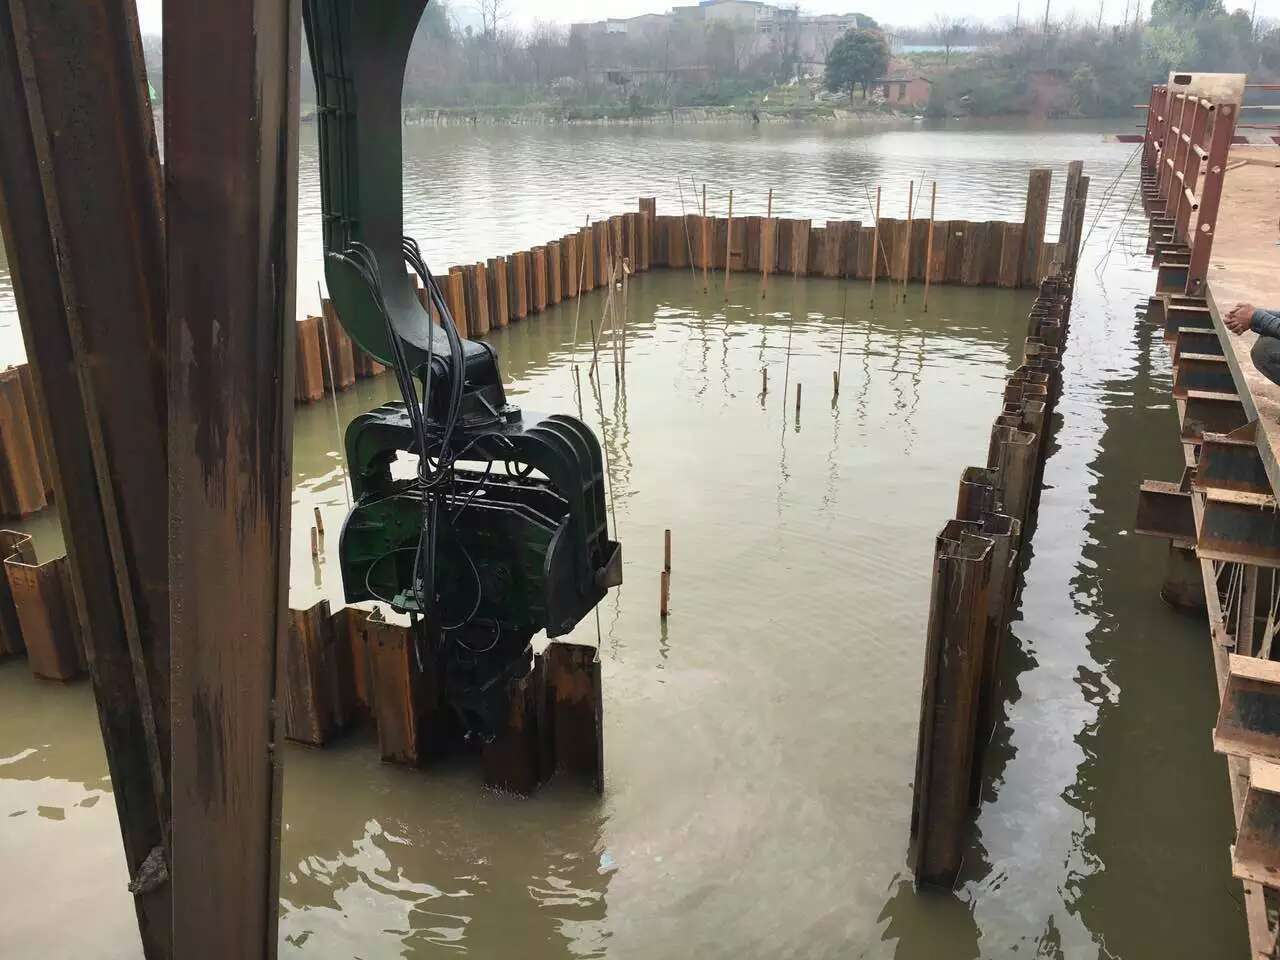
83,226
231,157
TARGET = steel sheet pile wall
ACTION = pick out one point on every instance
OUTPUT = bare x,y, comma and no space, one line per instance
975,580
353,665
976,561
492,293
26,471
38,615
488,295
1220,516
969,253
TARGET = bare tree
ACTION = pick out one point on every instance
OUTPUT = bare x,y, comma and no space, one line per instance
493,14
949,30
825,39
730,46
548,45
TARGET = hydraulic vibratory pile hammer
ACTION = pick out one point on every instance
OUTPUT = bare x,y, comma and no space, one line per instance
484,523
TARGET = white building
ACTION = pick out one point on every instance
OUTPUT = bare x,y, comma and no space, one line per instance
808,37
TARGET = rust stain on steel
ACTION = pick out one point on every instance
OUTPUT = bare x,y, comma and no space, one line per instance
50,628
575,702
22,485
318,689
12,545
952,686
231,202
210,759
83,226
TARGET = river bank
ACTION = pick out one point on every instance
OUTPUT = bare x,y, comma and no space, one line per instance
622,115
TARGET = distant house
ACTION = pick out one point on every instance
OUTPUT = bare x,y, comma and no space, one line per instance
736,13
814,36
625,76
647,24
806,38
904,90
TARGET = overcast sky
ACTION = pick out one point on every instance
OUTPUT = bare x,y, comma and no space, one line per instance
895,12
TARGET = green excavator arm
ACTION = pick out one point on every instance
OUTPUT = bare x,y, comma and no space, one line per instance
501,532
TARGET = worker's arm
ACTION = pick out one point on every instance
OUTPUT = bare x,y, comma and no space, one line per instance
1265,323
1262,321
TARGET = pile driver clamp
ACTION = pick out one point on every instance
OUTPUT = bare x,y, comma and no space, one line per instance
498,530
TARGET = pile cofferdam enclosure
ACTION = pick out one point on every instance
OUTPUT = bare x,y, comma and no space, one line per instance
342,592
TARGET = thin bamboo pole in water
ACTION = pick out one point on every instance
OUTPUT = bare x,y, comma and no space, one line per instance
577,310
906,245
875,248
706,245
622,324
928,255
728,248
595,337
616,276
688,241
844,319
767,228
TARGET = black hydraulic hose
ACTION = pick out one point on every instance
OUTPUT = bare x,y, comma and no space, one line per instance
363,262
455,344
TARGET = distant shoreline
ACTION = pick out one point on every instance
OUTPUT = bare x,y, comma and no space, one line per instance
548,115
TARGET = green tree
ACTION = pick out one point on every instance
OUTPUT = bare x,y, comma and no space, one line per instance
858,57
1269,49
1168,47
1163,11
1085,90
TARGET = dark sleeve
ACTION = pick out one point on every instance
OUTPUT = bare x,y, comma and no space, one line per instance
1265,323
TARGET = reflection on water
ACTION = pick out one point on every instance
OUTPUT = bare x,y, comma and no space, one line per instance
474,193
59,839
760,744
383,878
760,694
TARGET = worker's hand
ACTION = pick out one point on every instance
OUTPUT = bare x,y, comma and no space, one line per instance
1239,317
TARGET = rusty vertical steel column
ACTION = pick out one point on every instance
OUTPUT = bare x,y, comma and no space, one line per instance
1215,168
1075,169
1033,225
83,225
231,162
952,688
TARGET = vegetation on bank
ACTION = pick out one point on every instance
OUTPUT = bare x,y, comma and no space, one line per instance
1082,70
798,102
712,71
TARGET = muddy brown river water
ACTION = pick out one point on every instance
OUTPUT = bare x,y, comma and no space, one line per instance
760,745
